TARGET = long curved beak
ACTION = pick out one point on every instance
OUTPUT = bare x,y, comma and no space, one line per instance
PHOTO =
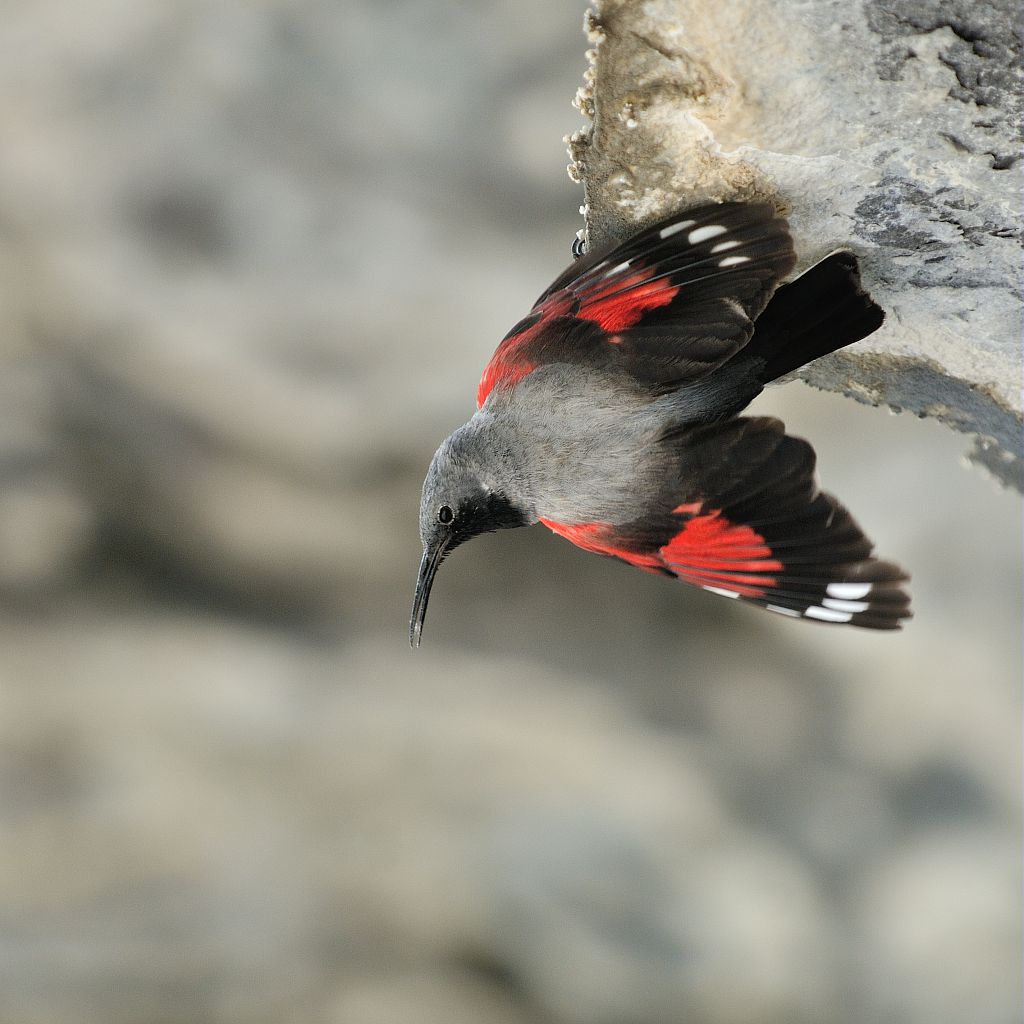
432,558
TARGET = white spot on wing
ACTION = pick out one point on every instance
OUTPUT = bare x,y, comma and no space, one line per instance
783,611
722,593
848,591
703,234
827,615
722,246
845,606
674,229
732,261
615,270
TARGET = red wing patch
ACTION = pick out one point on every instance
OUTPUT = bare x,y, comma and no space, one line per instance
709,551
600,538
622,303
614,306
504,370
511,361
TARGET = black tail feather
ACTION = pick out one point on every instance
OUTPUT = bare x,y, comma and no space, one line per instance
823,310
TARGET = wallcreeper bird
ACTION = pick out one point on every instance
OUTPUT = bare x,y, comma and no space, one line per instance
610,415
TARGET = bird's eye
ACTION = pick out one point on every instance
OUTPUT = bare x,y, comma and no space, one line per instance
445,515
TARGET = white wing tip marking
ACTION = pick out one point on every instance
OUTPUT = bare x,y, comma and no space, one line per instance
615,270
703,234
792,612
721,592
848,591
827,614
722,246
845,606
674,229
732,261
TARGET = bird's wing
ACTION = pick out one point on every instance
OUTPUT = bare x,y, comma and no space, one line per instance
665,307
741,516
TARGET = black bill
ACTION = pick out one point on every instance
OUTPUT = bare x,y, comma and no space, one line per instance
432,558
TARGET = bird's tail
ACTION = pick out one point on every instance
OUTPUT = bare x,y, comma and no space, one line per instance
823,310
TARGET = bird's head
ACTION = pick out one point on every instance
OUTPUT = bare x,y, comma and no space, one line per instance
462,498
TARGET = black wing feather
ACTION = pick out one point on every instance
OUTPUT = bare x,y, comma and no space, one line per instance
772,538
679,298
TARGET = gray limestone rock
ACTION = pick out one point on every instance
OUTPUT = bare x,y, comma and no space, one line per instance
887,126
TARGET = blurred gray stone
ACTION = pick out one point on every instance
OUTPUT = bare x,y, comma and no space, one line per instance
942,939
47,524
889,127
426,997
156,769
605,925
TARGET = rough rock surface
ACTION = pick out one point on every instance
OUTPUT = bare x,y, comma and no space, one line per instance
889,126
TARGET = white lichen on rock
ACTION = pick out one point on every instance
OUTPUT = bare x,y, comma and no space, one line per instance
886,127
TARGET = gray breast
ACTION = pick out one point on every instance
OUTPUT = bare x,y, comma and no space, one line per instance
583,441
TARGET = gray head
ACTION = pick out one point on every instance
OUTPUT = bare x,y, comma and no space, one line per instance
469,490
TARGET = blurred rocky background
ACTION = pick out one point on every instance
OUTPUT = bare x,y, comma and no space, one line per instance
253,257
